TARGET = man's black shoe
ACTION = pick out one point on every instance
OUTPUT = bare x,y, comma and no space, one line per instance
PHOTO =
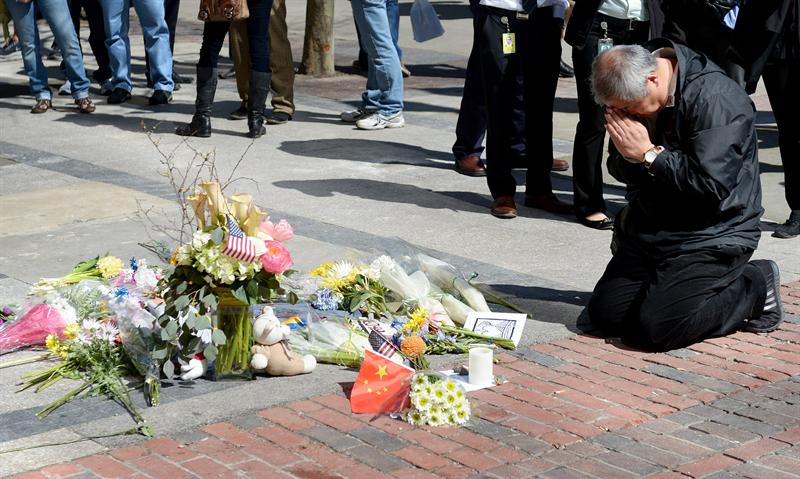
178,78
791,228
119,95
565,70
278,118
239,113
161,97
772,315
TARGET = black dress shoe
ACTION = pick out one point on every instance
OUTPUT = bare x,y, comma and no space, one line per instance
239,113
278,118
161,97
565,70
604,224
119,95
790,229
548,202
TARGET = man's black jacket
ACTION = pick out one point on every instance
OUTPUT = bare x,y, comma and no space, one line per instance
703,190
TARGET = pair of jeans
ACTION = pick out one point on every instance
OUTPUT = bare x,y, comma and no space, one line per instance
156,41
384,93
56,12
537,57
471,124
280,59
257,35
667,302
587,154
171,8
393,13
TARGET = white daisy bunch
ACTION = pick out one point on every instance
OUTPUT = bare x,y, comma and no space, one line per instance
437,401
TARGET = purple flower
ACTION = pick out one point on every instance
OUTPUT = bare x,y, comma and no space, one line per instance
134,264
7,311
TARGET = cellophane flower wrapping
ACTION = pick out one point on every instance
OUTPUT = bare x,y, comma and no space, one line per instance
437,401
32,328
330,339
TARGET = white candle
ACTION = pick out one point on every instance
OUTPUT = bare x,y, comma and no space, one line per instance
480,366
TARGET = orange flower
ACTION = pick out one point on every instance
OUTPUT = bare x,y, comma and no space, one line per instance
413,346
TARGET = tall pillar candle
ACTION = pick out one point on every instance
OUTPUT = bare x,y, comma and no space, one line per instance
480,366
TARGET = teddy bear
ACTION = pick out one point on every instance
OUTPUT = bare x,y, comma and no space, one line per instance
271,353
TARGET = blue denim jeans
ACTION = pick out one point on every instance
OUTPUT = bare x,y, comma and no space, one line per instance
156,41
393,13
56,12
384,92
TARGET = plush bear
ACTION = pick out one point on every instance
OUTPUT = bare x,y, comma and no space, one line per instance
271,353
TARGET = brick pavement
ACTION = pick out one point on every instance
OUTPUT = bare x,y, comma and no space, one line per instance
575,408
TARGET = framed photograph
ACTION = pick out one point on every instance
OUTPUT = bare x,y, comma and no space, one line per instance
497,325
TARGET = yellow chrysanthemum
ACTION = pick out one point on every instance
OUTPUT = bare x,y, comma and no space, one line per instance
321,270
72,331
109,266
413,346
416,320
52,343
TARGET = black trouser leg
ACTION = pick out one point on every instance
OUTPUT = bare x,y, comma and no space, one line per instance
676,300
540,38
587,154
97,39
781,81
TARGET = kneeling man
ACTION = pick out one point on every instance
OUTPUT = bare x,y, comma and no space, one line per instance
684,141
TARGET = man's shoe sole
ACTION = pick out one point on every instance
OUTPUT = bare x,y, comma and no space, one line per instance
473,174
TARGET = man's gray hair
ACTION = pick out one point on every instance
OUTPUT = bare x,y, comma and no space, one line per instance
621,73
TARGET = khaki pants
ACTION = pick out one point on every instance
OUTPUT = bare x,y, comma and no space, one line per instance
280,59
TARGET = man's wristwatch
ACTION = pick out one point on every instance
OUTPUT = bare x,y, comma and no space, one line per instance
650,156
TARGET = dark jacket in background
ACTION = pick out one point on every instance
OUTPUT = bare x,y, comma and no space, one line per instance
758,29
583,16
704,190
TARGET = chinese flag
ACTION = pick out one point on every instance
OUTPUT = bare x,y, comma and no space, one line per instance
380,387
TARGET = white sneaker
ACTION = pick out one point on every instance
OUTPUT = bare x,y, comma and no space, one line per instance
376,121
354,116
66,89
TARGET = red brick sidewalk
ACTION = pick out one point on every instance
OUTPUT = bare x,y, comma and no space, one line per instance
575,408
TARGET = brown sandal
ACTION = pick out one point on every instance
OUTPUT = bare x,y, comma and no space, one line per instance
42,106
85,105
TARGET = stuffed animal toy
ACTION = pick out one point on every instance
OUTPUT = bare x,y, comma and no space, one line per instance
196,367
271,353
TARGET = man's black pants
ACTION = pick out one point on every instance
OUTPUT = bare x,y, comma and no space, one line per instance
781,81
674,300
538,45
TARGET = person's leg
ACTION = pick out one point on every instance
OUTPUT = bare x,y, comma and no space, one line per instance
387,96
156,42
618,295
116,17
499,76
700,294
393,15
213,37
471,124
56,12
781,80
24,15
281,64
240,55
541,41
97,39
258,35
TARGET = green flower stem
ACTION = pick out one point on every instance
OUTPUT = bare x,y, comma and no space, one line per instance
470,337
63,400
234,356
20,362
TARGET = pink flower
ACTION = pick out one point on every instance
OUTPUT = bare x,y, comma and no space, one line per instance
277,258
281,232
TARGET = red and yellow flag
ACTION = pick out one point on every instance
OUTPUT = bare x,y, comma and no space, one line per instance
380,387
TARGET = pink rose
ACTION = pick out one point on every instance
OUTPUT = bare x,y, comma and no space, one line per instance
281,232
277,258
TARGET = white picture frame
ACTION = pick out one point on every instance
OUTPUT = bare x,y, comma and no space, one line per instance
502,325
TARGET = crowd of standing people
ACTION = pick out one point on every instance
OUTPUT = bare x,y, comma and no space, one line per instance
510,86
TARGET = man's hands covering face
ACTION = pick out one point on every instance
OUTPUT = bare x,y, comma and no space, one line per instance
628,134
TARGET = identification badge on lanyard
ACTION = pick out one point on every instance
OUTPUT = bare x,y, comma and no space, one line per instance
604,43
509,39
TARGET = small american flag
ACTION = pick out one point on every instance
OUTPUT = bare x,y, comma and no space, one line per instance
238,245
380,344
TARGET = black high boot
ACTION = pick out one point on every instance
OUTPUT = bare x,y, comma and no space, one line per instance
259,89
201,121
